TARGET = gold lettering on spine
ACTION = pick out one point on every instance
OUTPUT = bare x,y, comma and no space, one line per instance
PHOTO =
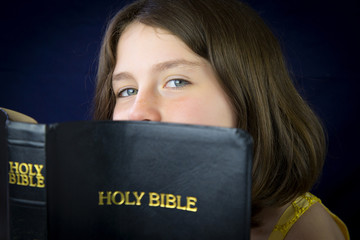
14,166
12,178
23,174
18,179
25,180
40,181
31,173
21,168
38,169
32,183
31,176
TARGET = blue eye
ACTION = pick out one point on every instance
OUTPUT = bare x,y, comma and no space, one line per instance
177,83
128,92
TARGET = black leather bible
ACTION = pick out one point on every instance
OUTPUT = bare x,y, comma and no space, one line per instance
127,180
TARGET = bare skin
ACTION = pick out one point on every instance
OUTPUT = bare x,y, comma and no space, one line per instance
315,224
270,217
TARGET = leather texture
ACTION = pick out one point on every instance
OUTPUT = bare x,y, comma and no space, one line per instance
27,205
4,215
201,175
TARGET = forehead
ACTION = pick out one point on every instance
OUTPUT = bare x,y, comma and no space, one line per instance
140,42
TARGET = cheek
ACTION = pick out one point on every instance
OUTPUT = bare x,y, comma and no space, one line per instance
119,113
190,111
203,111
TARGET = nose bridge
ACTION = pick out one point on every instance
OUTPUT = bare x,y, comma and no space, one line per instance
145,107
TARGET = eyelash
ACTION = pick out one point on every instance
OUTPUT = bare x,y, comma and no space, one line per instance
178,79
126,89
172,80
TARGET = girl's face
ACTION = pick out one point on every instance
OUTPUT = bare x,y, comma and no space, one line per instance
158,78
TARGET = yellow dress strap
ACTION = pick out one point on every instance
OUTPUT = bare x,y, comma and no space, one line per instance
295,211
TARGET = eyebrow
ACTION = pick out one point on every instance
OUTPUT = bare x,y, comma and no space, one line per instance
160,67
175,63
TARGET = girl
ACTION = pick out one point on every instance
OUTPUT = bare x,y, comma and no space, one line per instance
214,62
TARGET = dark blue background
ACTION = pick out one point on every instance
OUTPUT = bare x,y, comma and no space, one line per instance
48,58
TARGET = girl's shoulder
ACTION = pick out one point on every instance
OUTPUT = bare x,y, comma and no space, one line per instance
308,218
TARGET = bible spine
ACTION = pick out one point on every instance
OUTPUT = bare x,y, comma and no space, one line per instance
26,179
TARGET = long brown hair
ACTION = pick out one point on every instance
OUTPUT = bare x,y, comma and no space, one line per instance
289,140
